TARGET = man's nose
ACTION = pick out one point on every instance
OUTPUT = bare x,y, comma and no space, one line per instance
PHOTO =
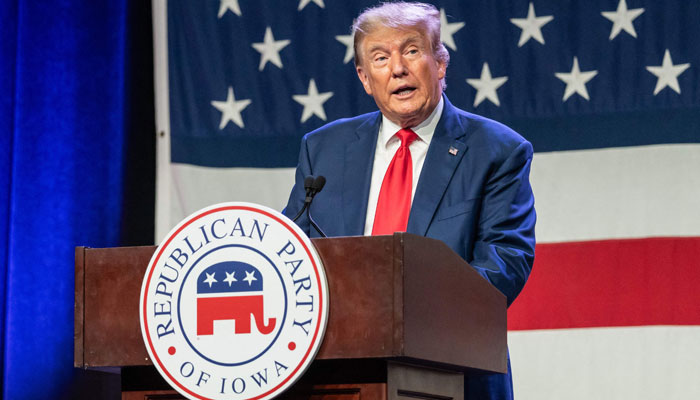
398,66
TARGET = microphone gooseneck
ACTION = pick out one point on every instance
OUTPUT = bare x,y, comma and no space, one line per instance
312,186
318,184
308,185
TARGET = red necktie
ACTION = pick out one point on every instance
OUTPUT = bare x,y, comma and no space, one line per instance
394,202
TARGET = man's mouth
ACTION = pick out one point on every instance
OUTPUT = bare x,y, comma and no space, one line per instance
404,90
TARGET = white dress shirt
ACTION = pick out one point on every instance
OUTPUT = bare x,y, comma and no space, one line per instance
387,145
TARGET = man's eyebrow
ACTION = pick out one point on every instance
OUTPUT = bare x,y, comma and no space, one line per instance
375,47
411,40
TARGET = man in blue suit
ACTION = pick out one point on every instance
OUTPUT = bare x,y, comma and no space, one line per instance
463,178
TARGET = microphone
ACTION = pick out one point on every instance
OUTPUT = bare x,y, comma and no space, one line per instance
312,185
308,187
318,184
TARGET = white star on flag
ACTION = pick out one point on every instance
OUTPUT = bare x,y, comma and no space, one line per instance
250,277
447,30
210,278
667,74
303,3
348,41
269,49
576,81
486,86
231,109
230,278
312,102
531,26
622,19
229,5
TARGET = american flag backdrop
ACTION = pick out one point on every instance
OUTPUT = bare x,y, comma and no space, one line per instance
607,91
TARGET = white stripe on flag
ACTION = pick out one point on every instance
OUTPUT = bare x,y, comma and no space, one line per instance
632,192
194,187
642,363
649,191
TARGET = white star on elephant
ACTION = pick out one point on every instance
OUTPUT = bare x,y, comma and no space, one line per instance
250,277
230,278
210,278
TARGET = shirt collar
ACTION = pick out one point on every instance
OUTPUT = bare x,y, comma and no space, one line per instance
424,130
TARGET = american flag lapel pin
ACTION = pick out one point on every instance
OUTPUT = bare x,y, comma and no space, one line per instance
453,150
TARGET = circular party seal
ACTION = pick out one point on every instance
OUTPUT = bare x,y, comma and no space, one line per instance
234,303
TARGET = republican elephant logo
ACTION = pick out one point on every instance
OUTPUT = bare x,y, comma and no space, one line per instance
231,290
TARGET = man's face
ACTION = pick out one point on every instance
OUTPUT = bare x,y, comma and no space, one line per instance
397,68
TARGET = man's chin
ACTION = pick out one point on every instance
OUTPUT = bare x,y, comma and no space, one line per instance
411,118
409,122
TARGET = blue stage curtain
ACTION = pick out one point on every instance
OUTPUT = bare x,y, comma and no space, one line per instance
62,102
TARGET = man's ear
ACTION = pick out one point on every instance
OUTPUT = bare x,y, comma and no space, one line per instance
442,69
364,79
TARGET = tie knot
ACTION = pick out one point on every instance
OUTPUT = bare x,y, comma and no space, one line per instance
407,136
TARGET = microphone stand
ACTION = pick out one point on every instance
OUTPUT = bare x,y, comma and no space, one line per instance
313,223
313,185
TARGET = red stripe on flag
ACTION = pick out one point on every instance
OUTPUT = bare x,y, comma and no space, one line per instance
631,282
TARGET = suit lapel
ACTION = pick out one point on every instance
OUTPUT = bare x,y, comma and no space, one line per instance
438,168
359,157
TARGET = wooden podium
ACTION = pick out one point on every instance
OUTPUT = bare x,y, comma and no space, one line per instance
407,318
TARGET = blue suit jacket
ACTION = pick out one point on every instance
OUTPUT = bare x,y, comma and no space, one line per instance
478,201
